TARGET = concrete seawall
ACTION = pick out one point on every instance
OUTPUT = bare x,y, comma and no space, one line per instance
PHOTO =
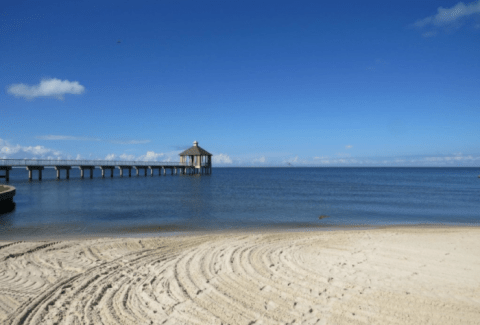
6,195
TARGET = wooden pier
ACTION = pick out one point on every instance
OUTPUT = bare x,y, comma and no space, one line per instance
192,161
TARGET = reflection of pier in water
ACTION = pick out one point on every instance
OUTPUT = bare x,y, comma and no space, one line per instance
194,160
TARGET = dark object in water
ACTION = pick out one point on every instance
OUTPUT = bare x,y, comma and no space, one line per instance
6,207
323,216
6,195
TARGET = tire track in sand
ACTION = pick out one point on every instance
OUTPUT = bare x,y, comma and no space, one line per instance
215,279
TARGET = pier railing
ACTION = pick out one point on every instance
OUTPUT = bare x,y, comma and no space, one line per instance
52,162
74,163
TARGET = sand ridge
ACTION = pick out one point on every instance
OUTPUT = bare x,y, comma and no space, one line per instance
376,276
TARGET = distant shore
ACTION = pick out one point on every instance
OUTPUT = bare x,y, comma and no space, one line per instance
387,275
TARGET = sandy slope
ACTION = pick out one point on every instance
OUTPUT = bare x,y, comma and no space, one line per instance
382,276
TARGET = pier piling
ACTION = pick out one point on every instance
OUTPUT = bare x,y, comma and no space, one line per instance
7,170
103,168
31,169
82,170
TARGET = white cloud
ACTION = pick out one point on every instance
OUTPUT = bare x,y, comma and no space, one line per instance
126,157
446,16
348,146
40,150
149,156
221,159
8,150
154,156
47,88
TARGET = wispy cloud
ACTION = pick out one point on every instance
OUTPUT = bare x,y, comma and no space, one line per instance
448,16
293,160
457,159
130,141
47,88
260,160
348,146
51,137
65,137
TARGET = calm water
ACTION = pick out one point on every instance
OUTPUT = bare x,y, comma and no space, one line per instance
240,198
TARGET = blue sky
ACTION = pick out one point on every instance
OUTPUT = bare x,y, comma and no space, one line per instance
311,83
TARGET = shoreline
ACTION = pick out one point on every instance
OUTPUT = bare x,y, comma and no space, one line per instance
190,231
386,275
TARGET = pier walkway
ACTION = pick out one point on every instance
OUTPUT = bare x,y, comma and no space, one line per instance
176,168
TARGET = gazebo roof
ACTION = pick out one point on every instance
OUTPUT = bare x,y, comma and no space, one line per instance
195,151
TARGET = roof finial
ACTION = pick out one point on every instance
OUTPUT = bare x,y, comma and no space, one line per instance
195,143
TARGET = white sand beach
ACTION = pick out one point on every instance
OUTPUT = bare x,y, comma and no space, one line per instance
407,275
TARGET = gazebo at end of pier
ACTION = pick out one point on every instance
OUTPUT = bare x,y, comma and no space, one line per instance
197,158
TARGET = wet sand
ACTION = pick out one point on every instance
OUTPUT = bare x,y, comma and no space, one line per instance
395,275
